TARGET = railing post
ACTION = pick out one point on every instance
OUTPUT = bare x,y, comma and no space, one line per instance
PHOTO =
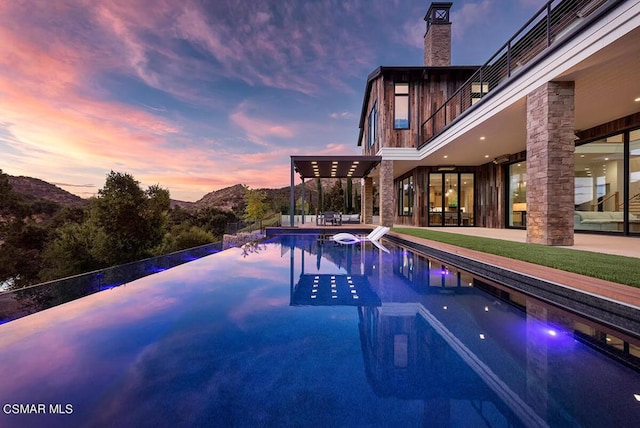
549,24
509,59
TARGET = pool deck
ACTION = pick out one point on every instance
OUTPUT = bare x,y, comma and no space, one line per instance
617,245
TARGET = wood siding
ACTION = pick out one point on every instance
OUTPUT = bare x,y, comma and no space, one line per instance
429,88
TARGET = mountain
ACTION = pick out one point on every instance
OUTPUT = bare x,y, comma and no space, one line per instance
229,199
232,198
224,199
34,188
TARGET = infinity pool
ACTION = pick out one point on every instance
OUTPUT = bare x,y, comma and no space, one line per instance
297,331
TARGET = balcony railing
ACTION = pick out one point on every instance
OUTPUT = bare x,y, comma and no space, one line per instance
552,23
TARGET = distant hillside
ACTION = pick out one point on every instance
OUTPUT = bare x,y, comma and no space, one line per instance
225,199
228,199
232,198
182,204
34,188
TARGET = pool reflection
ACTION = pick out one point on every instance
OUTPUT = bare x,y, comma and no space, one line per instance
473,351
237,339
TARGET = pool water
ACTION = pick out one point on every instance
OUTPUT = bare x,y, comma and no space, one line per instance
238,339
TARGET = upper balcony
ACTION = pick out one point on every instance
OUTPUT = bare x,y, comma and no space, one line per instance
550,27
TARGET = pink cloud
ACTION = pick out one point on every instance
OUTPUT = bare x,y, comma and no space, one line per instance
65,126
258,129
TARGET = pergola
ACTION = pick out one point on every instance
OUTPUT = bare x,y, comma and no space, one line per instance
328,167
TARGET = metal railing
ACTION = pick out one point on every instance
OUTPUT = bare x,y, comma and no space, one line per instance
552,23
28,300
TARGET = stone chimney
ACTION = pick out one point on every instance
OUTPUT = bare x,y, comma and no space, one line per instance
437,39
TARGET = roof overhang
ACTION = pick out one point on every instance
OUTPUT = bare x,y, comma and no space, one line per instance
334,166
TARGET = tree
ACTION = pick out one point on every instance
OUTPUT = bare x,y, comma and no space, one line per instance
71,251
348,195
256,207
334,200
185,236
7,196
20,254
320,196
214,220
132,220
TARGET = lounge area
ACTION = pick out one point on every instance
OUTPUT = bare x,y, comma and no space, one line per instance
604,220
331,218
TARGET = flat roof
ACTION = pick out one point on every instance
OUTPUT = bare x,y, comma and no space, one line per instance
334,166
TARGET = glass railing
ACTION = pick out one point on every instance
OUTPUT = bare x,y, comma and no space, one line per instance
24,301
550,25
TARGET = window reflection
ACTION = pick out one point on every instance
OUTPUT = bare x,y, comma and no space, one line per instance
599,185
518,194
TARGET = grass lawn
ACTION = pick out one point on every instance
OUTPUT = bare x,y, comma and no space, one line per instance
623,270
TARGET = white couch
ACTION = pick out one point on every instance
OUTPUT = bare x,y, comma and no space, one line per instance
601,220
350,218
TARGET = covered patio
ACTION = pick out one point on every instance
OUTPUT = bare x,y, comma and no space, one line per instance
335,167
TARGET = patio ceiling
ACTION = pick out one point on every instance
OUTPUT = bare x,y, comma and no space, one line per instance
334,166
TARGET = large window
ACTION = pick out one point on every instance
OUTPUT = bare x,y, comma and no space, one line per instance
599,185
517,207
405,197
372,124
401,106
634,181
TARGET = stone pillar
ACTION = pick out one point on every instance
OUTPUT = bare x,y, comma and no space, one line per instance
550,171
366,205
387,194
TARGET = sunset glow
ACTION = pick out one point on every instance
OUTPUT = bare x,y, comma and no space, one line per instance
196,96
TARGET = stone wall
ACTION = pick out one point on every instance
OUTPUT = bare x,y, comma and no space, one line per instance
550,165
239,239
367,201
387,194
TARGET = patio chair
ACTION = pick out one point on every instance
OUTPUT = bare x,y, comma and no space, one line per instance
332,218
373,237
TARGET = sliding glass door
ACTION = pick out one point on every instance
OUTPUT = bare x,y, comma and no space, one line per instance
451,199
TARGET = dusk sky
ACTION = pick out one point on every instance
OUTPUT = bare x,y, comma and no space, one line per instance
197,95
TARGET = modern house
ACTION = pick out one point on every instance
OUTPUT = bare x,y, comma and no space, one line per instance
544,136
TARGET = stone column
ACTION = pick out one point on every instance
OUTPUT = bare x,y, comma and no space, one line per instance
366,205
387,194
550,171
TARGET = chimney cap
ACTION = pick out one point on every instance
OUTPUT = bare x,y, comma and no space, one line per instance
438,13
